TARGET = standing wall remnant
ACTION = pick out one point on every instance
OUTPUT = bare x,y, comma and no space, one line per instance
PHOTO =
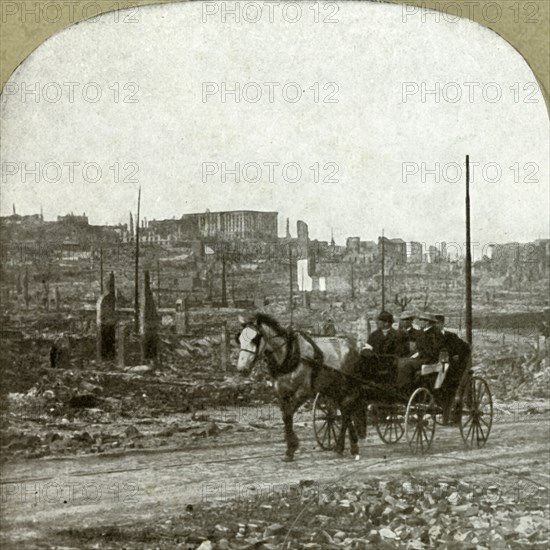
26,287
106,322
182,317
148,322
57,299
122,341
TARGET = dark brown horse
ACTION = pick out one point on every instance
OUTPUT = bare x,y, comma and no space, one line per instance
299,367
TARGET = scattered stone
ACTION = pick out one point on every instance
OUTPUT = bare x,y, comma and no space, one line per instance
139,369
24,442
83,401
388,534
273,530
170,430
132,432
83,437
51,437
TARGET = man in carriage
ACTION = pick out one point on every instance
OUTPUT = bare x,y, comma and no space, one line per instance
385,340
408,331
384,346
459,355
429,344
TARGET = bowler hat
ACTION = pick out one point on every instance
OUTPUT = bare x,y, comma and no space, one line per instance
386,317
440,317
406,315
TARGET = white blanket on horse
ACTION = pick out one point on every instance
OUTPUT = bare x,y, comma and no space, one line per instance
337,352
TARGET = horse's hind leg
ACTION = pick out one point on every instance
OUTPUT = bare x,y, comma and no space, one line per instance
354,447
348,411
358,414
341,441
360,419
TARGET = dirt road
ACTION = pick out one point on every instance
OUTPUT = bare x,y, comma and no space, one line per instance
41,496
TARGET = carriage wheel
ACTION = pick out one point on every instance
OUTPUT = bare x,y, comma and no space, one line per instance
389,424
476,416
420,421
327,422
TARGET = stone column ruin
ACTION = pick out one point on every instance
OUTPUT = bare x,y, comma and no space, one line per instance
106,322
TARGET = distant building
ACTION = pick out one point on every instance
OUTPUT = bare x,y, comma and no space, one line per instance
238,224
16,219
302,231
353,245
369,250
414,252
431,255
73,219
395,250
443,251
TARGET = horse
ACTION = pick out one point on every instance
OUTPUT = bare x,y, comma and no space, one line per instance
300,369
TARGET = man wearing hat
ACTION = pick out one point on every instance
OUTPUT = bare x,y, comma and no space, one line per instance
383,347
459,354
385,340
429,343
407,330
458,349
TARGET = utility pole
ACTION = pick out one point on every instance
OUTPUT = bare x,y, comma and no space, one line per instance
468,263
158,282
352,282
136,272
224,289
101,271
383,273
291,297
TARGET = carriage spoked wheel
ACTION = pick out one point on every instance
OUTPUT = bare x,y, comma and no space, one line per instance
327,422
389,423
476,418
420,421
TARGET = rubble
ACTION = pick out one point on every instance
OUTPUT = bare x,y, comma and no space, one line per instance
390,515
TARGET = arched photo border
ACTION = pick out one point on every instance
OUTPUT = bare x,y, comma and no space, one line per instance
20,36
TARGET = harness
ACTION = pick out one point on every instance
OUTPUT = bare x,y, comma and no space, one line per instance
293,357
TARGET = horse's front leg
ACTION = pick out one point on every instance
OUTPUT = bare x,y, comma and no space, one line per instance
292,443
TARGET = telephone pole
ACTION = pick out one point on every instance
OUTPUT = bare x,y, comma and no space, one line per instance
158,282
101,271
291,297
136,271
468,262
383,273
224,290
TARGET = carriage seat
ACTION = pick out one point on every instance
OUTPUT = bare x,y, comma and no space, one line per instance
378,367
440,368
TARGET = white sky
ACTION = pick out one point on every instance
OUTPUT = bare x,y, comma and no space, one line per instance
370,53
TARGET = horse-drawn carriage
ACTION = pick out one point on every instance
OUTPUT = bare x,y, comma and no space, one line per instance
415,415
304,367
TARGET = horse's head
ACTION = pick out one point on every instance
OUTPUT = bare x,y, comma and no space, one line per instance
252,345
